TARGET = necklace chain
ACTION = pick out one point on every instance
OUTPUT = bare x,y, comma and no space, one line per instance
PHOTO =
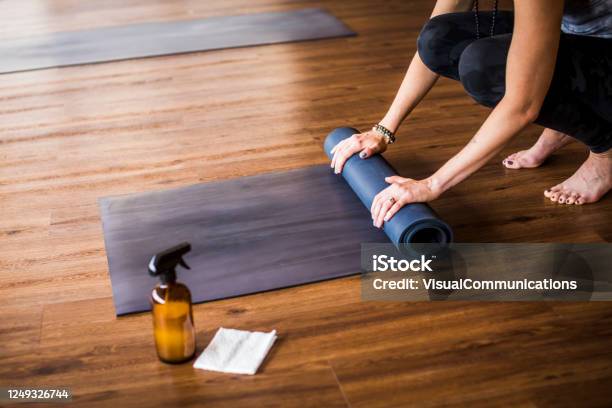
477,18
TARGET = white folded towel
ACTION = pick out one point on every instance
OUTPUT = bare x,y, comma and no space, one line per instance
236,351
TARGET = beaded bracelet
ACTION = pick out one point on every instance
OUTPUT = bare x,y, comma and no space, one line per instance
388,135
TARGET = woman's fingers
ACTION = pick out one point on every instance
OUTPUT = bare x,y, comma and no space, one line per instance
398,195
365,153
394,179
381,204
374,208
343,142
394,209
389,201
335,157
384,207
366,144
368,152
341,157
376,203
344,153
335,150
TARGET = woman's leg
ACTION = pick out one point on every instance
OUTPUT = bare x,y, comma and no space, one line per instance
442,42
579,100
583,72
578,103
444,38
583,76
482,71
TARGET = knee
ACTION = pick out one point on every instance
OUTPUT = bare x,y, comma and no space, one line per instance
482,71
433,43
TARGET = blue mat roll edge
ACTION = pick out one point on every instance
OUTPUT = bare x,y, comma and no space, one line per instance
413,223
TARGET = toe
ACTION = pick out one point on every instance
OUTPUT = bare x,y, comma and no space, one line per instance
511,157
558,187
513,164
571,199
554,189
588,198
511,161
554,196
562,198
579,201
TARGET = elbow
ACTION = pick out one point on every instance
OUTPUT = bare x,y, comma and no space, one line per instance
531,113
524,111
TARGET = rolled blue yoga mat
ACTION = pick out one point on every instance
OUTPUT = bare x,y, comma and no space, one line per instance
413,223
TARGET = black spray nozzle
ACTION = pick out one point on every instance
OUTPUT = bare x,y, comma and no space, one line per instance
163,264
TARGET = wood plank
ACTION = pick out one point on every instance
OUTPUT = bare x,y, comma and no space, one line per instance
20,330
523,358
167,38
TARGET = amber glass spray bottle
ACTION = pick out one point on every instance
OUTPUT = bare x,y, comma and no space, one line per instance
173,327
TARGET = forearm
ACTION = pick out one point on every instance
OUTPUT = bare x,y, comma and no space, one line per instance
505,121
529,70
418,79
416,84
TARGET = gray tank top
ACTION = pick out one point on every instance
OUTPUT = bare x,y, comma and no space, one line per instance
588,17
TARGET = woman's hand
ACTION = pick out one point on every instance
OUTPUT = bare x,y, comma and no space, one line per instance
402,191
367,143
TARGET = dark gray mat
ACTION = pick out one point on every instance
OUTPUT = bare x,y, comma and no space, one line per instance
248,235
166,38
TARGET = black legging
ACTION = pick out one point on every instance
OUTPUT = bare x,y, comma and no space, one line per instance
579,101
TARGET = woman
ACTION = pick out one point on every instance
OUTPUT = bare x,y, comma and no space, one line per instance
544,63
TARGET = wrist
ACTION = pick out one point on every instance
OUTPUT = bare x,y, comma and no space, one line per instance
435,185
390,124
387,135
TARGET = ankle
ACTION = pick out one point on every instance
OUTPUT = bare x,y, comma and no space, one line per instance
544,147
602,163
551,138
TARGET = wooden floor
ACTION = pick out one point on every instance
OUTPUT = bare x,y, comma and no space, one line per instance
69,136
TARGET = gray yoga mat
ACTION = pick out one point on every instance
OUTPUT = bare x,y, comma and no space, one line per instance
248,235
257,233
167,38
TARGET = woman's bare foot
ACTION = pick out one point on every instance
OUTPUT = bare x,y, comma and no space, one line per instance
549,142
588,184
